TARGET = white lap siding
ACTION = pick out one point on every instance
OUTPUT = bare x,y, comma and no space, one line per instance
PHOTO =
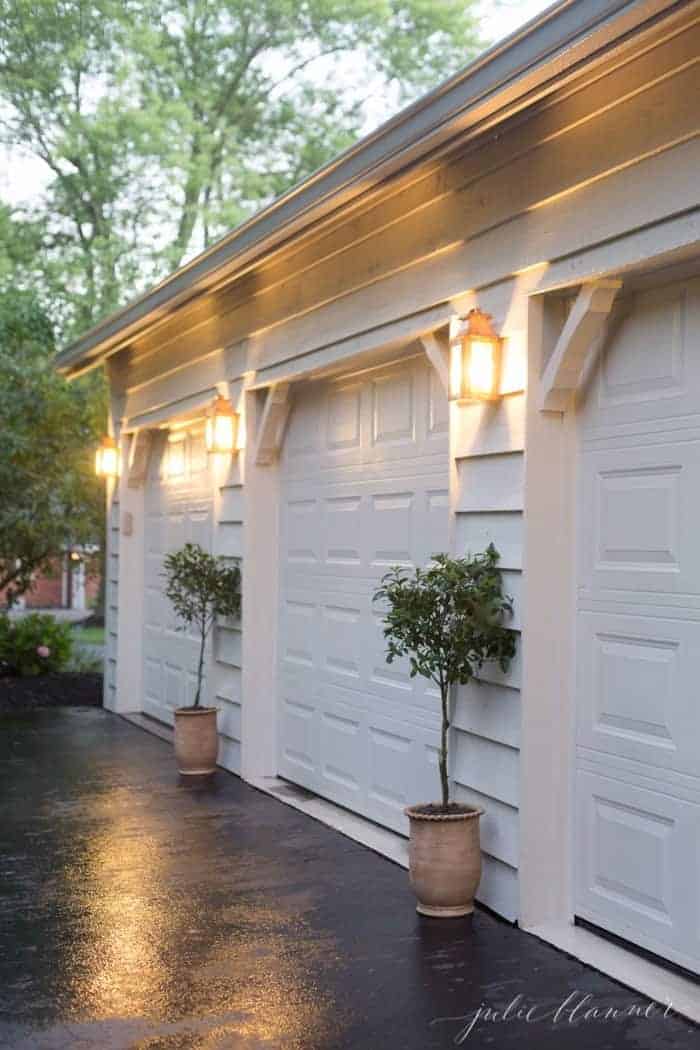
486,740
487,501
227,665
111,589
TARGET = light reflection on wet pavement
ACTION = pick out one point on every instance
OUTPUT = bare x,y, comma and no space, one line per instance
139,911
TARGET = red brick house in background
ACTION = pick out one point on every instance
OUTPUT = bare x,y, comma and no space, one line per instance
72,583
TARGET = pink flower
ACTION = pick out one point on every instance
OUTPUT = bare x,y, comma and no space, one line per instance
43,651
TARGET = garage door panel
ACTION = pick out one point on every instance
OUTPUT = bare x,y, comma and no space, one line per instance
175,692
154,535
644,505
353,648
343,418
341,639
637,689
393,520
416,708
393,409
370,493
153,607
359,530
343,758
299,625
639,873
298,683
649,369
393,680
299,741
402,769
153,677
638,629
302,532
341,519
153,583
337,636
409,699
387,416
303,438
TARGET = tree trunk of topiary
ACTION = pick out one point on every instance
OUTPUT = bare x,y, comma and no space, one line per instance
444,782
200,669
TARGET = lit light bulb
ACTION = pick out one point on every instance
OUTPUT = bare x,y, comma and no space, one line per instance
482,367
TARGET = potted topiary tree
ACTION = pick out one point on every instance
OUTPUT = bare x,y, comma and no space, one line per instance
448,619
200,587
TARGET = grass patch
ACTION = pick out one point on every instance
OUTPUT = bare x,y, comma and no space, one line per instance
89,635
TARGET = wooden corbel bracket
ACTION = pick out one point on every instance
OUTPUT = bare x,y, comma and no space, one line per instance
582,329
272,423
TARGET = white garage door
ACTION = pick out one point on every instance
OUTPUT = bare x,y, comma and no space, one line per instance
178,509
638,735
365,477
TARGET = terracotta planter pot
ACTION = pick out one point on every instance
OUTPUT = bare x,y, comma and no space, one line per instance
196,740
444,859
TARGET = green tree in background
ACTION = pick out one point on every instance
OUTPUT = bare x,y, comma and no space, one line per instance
163,124
49,496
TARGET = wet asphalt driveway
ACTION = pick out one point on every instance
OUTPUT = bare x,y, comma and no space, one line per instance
140,912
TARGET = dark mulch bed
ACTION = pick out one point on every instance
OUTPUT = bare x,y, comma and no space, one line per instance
50,690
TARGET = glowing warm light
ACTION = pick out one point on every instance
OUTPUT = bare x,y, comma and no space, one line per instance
175,465
475,359
222,427
107,459
482,368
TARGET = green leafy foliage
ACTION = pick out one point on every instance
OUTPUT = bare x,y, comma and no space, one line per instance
51,499
448,620
89,635
35,644
200,588
162,124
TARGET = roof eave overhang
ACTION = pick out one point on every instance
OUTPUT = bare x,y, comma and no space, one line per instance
537,58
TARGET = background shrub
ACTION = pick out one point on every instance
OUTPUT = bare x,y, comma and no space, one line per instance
35,644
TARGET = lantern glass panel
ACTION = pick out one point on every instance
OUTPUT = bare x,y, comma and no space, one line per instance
482,368
221,432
